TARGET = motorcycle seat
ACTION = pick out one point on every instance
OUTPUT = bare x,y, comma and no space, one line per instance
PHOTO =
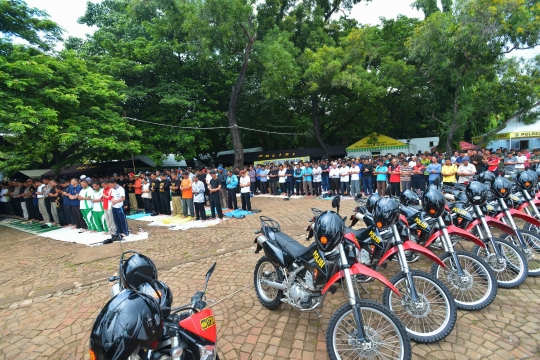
292,246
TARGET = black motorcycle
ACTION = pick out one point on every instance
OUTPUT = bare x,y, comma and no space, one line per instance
139,322
290,273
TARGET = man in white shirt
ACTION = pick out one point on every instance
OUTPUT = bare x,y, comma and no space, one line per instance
86,205
344,173
41,202
466,171
118,196
521,161
355,179
334,178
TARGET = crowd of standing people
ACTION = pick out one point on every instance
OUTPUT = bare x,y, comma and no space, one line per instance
99,203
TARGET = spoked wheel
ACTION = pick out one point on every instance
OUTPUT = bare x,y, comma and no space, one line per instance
268,296
386,337
532,253
476,289
429,319
511,269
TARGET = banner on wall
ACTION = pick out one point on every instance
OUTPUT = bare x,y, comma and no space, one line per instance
267,161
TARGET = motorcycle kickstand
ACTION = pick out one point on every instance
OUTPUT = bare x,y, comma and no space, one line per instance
318,314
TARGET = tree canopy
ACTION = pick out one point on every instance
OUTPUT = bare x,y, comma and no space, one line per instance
194,78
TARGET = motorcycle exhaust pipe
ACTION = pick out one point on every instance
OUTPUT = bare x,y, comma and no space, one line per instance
274,285
261,239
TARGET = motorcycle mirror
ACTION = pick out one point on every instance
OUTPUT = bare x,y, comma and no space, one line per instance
210,271
335,202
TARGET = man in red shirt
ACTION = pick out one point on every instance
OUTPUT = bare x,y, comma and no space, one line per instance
394,171
107,206
138,191
493,163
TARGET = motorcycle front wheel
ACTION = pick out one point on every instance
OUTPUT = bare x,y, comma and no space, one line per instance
476,289
268,296
532,240
432,317
386,336
512,270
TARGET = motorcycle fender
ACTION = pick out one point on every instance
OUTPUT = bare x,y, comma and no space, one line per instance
404,220
354,220
202,324
454,230
412,246
524,217
310,234
356,269
352,238
536,202
274,253
491,221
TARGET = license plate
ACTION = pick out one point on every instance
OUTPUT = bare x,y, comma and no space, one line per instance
208,322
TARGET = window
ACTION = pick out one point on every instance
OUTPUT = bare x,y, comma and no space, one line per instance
432,143
523,144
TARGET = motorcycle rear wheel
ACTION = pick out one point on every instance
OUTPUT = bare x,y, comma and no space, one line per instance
510,274
532,239
383,329
269,297
479,286
431,322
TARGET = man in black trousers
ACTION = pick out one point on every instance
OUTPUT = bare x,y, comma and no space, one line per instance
215,204
165,194
156,201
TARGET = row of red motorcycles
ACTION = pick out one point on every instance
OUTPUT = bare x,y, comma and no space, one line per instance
457,221
139,321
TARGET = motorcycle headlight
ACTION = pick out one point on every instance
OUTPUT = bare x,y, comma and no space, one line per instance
208,352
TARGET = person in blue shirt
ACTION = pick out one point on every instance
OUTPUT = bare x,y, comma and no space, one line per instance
258,172
232,183
73,190
66,203
381,171
298,179
307,179
289,180
434,170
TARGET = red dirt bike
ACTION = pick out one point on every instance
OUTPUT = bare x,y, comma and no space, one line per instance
290,273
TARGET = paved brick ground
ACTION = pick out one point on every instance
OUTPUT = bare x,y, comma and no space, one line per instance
48,304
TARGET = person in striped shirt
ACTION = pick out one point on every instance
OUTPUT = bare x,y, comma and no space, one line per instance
98,213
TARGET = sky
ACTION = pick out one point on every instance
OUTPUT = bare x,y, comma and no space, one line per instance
66,12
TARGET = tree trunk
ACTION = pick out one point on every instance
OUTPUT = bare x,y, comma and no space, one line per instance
231,113
316,129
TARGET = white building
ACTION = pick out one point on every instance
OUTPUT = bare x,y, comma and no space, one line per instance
421,144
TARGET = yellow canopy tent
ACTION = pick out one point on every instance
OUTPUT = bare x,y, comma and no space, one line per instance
375,143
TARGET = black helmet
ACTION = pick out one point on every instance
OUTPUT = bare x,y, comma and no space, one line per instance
129,320
486,177
371,201
476,193
501,187
137,270
433,202
409,197
329,229
164,295
386,212
527,180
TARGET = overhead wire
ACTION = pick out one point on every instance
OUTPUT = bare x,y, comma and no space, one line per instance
214,127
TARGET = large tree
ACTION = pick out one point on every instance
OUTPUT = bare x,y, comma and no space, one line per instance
458,53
